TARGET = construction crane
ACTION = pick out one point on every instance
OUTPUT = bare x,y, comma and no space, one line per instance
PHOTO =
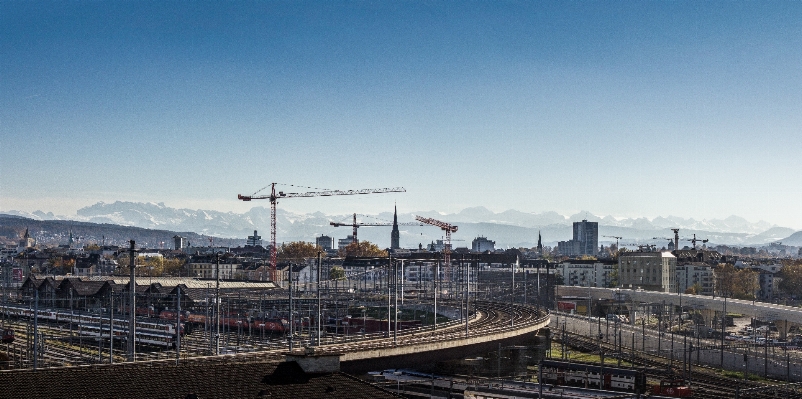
273,197
694,240
676,237
356,225
448,228
616,239
670,240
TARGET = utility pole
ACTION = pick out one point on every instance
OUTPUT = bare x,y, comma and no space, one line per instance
395,294
436,276
132,303
36,329
178,325
389,297
319,306
217,304
467,294
291,315
111,327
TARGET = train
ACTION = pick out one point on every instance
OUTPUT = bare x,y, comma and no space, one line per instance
673,388
8,336
150,332
593,376
257,324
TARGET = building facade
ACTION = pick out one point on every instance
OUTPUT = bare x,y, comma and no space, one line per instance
696,275
344,242
652,270
254,240
587,273
482,244
584,242
324,242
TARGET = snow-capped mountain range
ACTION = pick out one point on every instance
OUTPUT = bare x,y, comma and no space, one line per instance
510,228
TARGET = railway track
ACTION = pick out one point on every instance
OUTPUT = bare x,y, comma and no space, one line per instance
63,347
706,383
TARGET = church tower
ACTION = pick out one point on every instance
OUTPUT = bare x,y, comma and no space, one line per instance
395,236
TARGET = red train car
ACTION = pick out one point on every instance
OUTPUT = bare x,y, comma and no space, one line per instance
673,388
8,336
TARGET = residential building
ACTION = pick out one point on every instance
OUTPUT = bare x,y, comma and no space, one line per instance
699,275
587,273
207,269
649,270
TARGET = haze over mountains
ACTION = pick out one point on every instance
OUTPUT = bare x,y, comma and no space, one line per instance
510,228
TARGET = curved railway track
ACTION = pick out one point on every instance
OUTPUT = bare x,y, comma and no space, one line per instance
489,318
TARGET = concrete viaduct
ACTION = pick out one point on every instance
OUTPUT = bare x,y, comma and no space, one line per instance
782,316
494,323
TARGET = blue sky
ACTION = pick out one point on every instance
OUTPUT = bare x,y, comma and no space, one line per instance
691,109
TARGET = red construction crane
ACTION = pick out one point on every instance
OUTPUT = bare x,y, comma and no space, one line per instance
448,228
356,225
273,197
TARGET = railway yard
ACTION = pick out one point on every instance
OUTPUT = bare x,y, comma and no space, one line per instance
704,381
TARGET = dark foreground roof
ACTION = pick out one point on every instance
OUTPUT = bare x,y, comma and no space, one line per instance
202,380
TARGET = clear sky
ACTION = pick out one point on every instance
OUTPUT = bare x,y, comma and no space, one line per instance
649,108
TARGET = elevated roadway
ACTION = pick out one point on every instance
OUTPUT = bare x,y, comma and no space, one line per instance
783,316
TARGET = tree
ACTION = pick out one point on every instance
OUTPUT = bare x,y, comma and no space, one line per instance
733,283
694,289
724,276
298,250
363,249
747,284
791,275
613,278
152,266
172,266
336,273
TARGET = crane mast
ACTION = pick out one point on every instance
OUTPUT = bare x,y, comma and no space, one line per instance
273,197
448,228
356,225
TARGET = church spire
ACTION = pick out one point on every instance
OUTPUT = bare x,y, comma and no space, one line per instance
395,235
539,244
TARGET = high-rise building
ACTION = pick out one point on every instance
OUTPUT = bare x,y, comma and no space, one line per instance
344,242
254,240
482,244
395,235
180,242
585,241
324,242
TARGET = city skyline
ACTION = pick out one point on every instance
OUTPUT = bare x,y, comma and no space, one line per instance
630,110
